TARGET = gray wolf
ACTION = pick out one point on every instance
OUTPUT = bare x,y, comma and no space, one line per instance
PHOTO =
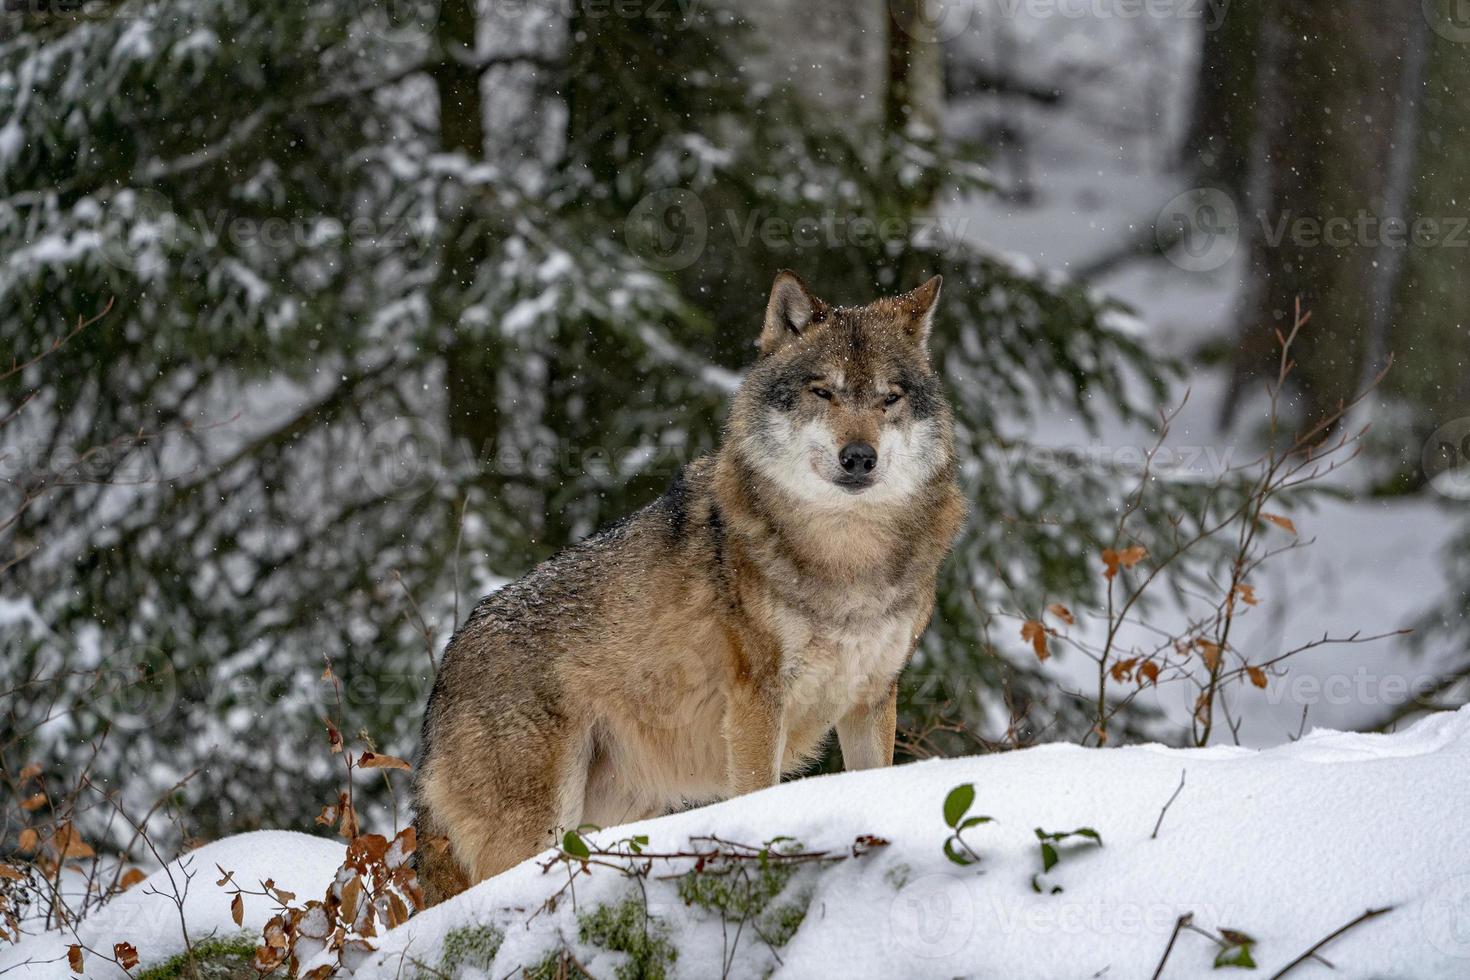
709,644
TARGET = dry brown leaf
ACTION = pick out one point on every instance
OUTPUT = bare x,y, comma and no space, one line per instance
1034,633
125,954
349,828
351,895
397,911
74,958
1148,671
30,771
1247,594
1127,558
372,760
237,909
1282,522
69,844
275,933
33,803
1257,675
1210,651
1123,668
334,737
1061,612
14,874
131,878
29,840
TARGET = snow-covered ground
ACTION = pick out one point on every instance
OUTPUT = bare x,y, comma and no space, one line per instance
1284,845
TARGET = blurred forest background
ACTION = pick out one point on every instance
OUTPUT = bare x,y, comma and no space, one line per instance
405,296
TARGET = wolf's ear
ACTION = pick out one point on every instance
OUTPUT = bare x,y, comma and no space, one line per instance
916,309
792,308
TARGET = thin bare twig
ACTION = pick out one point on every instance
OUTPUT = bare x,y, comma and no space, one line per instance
1310,953
1177,790
1179,924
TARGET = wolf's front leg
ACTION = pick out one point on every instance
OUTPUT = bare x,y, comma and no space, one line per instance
866,732
755,735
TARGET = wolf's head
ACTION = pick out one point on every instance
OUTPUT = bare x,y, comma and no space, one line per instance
843,409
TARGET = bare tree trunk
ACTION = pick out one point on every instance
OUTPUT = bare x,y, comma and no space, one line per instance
470,362
1401,164
1318,188
915,69
1216,146
1431,315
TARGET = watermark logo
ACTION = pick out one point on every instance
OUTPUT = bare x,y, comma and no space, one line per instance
398,21
932,21
1446,459
1450,19
668,229
1199,230
398,460
1445,916
932,917
153,230
138,689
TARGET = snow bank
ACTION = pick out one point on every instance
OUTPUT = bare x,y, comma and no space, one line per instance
1286,845
147,916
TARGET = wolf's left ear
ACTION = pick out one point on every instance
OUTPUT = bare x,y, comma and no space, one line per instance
917,310
791,309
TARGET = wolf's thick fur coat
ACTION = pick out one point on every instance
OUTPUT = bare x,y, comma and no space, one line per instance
709,643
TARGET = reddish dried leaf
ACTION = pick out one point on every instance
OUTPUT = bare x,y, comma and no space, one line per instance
366,850
274,933
1282,522
130,878
351,895
237,909
33,803
1247,594
14,874
30,772
74,958
1127,558
69,844
1123,668
349,827
327,817
1034,633
29,841
1061,612
1148,671
1257,675
125,954
334,737
1210,652
372,760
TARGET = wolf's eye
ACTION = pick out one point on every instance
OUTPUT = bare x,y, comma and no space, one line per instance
823,394
892,399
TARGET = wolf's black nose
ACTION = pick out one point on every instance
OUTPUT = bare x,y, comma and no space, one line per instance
858,457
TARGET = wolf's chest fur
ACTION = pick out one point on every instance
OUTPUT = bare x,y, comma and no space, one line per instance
828,670
843,647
